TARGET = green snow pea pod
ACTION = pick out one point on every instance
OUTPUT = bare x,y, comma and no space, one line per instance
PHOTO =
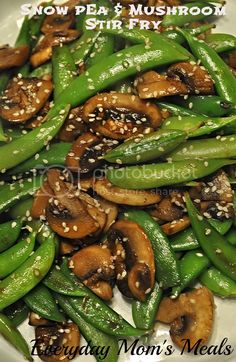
4,79
3,136
176,110
63,69
197,126
211,106
11,193
191,265
180,19
55,155
12,335
221,226
218,147
26,146
184,240
99,314
14,257
44,69
164,174
146,148
81,48
41,301
177,37
17,312
58,282
221,254
103,47
225,82
221,42
218,283
21,210
9,233
116,67
144,313
92,335
167,270
231,236
28,275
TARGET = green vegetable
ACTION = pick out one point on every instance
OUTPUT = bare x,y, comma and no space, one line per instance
9,233
221,42
218,283
17,312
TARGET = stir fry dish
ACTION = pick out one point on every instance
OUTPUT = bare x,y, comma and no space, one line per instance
118,171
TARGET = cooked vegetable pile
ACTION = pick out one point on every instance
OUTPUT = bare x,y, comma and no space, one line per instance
118,169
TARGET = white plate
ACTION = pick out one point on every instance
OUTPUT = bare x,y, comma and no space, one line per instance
224,326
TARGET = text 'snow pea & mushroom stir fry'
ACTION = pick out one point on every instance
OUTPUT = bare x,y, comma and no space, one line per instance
118,170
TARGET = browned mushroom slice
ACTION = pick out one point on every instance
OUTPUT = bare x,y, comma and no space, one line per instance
190,316
232,60
66,248
94,266
41,199
59,337
36,320
57,22
23,98
124,196
217,209
85,154
176,226
111,210
39,118
131,247
159,86
43,51
73,127
218,189
95,210
196,78
120,116
85,183
66,214
167,211
13,57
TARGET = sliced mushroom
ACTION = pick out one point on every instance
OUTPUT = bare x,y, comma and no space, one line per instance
111,210
196,78
124,196
85,183
56,22
85,154
35,320
190,316
41,200
150,86
73,127
120,116
95,210
23,98
176,226
167,211
94,266
218,189
39,118
13,57
66,248
43,51
217,209
57,338
134,259
66,213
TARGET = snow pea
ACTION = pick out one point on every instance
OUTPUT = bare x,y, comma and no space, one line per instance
177,37
182,19
44,69
100,315
12,335
211,106
221,254
81,48
219,147
23,37
14,257
164,174
11,193
225,82
58,282
146,148
167,271
103,47
21,209
144,313
17,312
116,67
55,155
197,126
231,236
63,69
28,145
218,283
92,335
176,110
221,226
41,301
28,275
191,265
3,136
184,240
9,233
4,79
221,42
